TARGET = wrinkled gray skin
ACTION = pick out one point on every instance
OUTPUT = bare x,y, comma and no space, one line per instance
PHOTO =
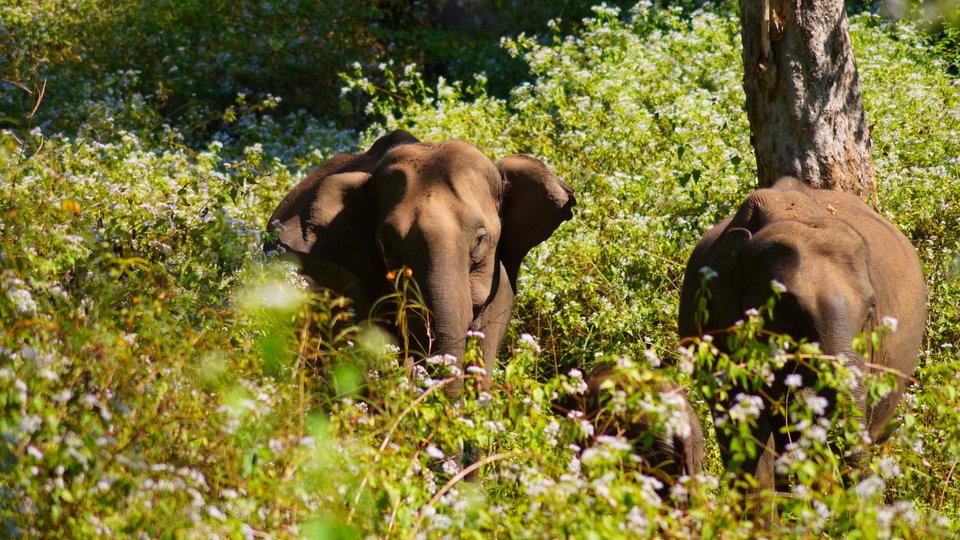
845,268
462,224
666,458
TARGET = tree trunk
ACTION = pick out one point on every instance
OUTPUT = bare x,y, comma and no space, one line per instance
803,95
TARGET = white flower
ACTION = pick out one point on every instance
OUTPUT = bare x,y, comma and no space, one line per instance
815,519
889,323
815,432
817,404
477,370
530,342
20,296
552,430
580,385
678,492
451,466
216,513
434,452
442,359
652,357
475,334
906,511
614,442
538,485
686,360
676,423
888,468
793,380
586,428
777,286
601,486
708,273
869,487
636,520
746,407
792,455
30,423
649,486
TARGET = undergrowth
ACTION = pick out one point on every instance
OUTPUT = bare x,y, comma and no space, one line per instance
159,377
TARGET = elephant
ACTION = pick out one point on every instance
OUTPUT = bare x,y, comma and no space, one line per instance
666,453
444,211
844,269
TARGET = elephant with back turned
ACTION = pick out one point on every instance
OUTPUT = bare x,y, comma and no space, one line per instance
844,267
461,223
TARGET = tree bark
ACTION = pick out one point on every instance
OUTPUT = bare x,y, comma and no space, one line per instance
804,101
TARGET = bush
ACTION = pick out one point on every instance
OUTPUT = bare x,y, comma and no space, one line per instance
158,378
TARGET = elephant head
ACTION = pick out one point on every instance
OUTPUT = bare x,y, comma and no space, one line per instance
669,448
841,267
461,223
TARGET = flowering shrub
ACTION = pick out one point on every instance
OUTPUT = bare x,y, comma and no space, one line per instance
160,377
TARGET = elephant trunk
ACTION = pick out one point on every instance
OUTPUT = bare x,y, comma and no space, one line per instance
855,362
451,312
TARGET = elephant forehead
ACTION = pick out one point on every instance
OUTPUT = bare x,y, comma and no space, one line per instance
439,216
453,166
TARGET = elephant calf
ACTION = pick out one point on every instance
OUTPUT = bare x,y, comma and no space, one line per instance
844,269
460,222
667,452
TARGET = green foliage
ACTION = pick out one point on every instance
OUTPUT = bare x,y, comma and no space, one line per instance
189,59
940,21
158,378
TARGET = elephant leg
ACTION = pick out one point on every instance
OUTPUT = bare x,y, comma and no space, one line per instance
768,485
744,463
781,438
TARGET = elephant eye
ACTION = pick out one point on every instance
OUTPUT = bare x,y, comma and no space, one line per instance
480,245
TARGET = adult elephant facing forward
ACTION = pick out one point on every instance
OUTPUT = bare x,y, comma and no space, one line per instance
844,268
461,223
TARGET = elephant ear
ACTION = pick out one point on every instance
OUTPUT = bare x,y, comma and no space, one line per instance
327,222
333,223
722,252
734,274
534,203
